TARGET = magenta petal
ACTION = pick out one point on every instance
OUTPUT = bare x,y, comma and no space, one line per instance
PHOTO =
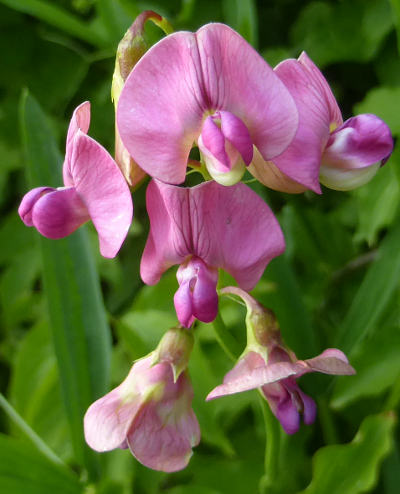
360,142
335,115
237,79
169,241
309,408
213,140
103,189
302,159
234,229
59,213
184,304
80,121
236,132
288,415
161,107
28,202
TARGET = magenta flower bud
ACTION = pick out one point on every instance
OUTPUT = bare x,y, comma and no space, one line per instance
150,412
269,365
197,296
94,189
226,147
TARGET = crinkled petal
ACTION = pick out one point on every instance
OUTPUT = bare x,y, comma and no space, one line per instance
161,107
331,361
80,121
237,79
169,241
335,115
103,189
58,213
28,202
302,159
163,432
234,229
360,142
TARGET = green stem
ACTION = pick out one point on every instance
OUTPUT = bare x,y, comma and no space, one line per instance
225,339
327,423
272,447
28,432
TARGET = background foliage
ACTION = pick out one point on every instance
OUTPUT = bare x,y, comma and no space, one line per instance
337,284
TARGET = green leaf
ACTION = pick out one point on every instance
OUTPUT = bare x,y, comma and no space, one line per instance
371,299
59,18
242,16
22,469
80,332
353,468
343,30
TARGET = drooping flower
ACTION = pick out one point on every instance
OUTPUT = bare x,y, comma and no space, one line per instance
150,412
94,189
209,88
204,228
340,155
269,365
130,49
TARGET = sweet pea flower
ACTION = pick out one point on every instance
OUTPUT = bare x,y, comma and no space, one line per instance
204,228
150,412
341,156
94,189
210,89
269,365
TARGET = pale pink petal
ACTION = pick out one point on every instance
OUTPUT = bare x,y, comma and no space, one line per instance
28,202
161,107
163,432
103,189
234,229
360,142
237,79
80,121
302,159
169,241
331,361
58,213
335,115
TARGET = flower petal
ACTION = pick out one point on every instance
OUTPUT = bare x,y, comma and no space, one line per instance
237,79
234,229
103,189
302,159
169,241
335,115
80,121
331,361
360,142
58,213
28,202
161,107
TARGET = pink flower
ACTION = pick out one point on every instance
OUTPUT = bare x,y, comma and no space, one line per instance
267,364
150,411
205,228
209,88
340,155
94,189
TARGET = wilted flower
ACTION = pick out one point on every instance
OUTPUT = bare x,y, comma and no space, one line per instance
209,88
204,228
94,189
150,412
269,365
340,155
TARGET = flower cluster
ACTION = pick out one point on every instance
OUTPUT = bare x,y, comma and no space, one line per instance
212,91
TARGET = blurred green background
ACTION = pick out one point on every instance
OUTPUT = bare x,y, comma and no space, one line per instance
337,284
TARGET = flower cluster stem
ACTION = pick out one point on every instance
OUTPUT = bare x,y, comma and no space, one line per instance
225,339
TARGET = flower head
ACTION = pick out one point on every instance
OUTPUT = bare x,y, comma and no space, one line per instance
204,228
269,365
94,189
150,411
209,88
340,155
